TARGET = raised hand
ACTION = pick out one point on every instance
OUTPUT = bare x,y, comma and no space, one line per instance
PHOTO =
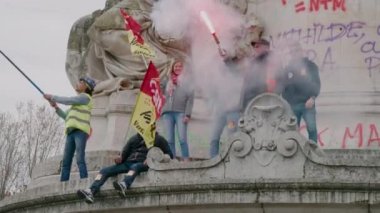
48,97
310,103
117,160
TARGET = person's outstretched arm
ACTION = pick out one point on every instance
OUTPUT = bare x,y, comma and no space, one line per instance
61,113
80,99
58,110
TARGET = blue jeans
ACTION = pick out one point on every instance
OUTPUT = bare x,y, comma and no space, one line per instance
220,120
309,116
114,170
75,142
172,119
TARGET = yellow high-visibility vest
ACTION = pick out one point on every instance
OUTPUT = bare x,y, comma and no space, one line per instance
78,117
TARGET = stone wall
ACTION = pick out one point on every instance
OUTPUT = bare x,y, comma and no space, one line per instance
342,37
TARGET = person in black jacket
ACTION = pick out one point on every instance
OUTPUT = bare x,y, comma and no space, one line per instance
132,161
262,76
301,87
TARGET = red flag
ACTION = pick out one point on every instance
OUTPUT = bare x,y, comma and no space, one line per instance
271,85
151,87
271,68
148,106
131,24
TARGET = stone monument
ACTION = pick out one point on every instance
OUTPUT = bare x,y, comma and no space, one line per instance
97,47
267,166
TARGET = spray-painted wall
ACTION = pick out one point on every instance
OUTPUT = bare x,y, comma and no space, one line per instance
343,38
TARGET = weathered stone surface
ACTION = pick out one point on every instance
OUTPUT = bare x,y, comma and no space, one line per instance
255,172
48,172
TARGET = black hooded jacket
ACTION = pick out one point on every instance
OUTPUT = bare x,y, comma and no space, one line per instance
298,86
136,151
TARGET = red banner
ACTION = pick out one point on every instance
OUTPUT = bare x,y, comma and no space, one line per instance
148,106
133,25
151,87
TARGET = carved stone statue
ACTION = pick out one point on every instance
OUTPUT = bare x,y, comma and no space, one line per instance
98,45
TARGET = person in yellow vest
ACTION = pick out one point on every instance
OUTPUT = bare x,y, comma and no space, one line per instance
77,125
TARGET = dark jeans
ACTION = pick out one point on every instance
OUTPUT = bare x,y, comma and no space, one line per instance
309,116
114,170
220,120
75,142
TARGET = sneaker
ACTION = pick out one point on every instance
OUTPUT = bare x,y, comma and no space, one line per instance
86,194
121,188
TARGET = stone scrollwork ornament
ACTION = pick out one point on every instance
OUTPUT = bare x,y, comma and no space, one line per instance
268,120
241,144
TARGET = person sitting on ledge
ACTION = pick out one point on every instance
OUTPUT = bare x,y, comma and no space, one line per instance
132,161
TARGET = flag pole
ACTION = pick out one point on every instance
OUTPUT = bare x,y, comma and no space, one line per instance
144,59
135,28
30,80
134,108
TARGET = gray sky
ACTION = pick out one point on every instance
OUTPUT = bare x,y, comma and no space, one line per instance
34,35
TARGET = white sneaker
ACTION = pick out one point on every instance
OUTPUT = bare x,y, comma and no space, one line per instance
121,188
86,194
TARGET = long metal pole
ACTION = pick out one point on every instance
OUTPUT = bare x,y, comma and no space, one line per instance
22,73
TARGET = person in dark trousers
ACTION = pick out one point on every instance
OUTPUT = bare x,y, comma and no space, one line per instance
77,123
301,87
132,161
226,99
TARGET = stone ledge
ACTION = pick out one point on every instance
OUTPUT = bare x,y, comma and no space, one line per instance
204,193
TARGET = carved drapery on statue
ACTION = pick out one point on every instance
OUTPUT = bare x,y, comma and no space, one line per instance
98,45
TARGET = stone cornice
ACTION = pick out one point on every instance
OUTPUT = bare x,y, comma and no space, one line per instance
222,192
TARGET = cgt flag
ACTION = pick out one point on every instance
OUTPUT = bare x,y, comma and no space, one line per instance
139,49
134,38
148,106
131,24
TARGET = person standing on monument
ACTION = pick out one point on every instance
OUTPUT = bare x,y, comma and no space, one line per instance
177,109
225,99
301,88
77,125
131,161
262,76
